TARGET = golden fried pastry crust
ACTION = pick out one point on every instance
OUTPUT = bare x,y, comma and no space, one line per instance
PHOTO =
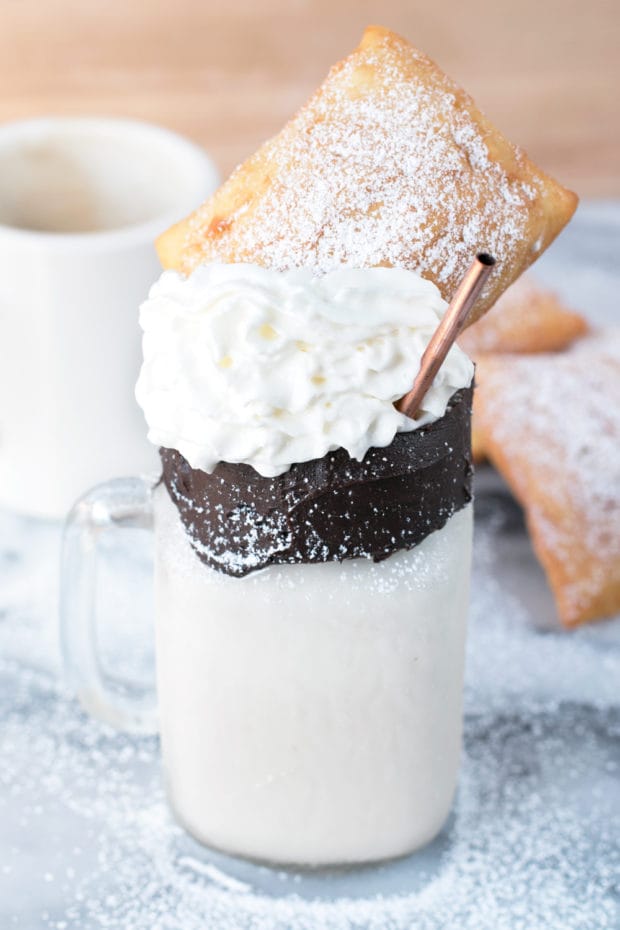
551,425
389,163
526,319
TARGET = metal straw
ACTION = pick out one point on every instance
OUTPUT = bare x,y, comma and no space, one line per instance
448,330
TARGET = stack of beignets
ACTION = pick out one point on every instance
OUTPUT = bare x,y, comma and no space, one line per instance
550,423
526,319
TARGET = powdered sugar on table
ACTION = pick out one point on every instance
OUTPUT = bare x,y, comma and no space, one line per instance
87,841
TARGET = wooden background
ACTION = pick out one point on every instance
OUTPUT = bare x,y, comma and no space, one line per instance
229,72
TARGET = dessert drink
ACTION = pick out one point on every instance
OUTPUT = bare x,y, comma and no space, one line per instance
311,597
311,713
313,542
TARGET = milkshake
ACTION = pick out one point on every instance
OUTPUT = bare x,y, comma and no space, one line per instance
313,513
313,550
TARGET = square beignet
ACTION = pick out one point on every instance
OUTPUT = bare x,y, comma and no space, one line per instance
526,319
551,425
389,163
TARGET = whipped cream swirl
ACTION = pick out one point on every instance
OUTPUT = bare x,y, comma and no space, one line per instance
245,364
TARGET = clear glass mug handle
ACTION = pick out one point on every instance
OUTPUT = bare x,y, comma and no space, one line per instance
124,503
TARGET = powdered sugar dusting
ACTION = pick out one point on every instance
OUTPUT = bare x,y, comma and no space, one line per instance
429,564
557,416
534,841
86,841
526,318
400,175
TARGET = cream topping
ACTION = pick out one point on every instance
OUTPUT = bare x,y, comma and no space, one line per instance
246,364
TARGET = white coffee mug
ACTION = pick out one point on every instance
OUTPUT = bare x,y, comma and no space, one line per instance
81,203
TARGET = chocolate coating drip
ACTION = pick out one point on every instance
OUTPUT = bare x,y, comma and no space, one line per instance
332,508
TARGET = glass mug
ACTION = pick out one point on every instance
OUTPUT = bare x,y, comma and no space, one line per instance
309,714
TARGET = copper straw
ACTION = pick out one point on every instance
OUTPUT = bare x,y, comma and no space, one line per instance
448,330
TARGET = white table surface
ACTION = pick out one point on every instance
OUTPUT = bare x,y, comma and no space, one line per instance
86,840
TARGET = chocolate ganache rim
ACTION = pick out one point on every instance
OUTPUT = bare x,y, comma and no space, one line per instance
327,509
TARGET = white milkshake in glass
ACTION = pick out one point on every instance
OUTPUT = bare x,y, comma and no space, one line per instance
313,552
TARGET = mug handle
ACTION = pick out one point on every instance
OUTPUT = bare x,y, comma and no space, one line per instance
122,503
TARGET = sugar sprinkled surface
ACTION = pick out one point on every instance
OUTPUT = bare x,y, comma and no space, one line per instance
434,193
534,840
86,840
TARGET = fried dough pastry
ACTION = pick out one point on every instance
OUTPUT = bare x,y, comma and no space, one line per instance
551,426
389,163
526,319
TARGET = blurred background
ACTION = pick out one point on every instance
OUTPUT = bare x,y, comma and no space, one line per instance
228,73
